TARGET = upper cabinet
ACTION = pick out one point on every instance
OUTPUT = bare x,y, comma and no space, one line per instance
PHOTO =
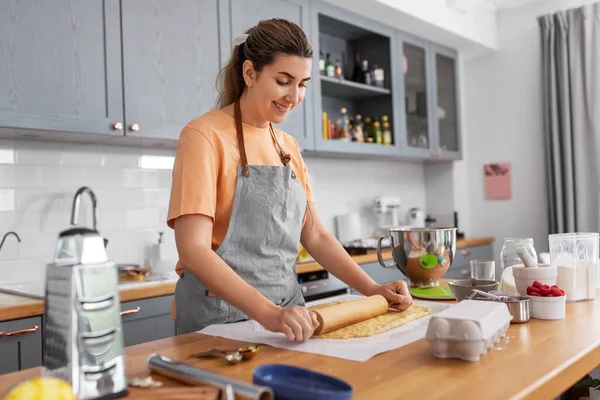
244,15
170,63
133,68
355,84
61,66
417,90
446,120
145,68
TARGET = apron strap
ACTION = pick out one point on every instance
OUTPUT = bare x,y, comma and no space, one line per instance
285,157
240,136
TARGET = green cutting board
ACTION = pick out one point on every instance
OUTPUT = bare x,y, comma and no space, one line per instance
433,292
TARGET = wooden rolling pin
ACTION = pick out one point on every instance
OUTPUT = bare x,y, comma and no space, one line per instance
350,312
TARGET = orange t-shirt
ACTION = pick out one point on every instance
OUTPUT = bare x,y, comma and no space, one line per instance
206,162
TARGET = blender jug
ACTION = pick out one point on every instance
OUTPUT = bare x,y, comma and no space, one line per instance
575,256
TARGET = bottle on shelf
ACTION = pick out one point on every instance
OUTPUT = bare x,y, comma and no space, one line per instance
329,68
378,76
377,132
357,129
339,74
357,72
386,131
321,64
366,74
344,128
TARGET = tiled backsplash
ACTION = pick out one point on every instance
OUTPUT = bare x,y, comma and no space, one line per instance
38,181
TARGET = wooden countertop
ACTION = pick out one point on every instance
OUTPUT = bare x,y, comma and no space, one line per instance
371,256
541,360
15,307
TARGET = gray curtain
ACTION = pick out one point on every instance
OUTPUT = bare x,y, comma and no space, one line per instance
571,101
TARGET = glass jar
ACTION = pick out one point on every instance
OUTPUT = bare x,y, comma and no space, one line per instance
509,257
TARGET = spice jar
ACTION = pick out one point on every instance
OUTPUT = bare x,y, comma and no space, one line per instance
510,257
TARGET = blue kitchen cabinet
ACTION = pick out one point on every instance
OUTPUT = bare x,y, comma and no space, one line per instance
20,344
461,266
61,66
170,64
445,100
146,320
341,34
240,15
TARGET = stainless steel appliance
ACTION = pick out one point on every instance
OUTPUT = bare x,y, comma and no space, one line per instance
422,254
320,284
83,337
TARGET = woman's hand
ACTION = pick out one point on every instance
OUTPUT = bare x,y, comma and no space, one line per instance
396,293
297,323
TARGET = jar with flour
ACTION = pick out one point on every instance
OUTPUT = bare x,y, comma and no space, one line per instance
575,256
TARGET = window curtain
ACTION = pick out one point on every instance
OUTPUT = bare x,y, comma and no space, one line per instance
571,101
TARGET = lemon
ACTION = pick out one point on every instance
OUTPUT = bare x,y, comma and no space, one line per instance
45,388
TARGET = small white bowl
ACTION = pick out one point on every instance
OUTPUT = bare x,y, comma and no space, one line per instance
525,276
548,307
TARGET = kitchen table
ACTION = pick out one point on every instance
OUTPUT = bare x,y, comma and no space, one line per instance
540,360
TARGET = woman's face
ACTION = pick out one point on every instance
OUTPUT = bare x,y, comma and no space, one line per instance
279,87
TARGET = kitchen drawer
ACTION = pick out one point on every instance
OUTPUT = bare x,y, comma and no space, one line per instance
152,321
21,351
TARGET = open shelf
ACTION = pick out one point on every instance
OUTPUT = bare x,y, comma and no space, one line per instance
346,89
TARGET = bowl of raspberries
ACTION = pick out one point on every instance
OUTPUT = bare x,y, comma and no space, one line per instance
547,302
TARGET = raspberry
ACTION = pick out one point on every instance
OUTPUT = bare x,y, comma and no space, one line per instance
534,289
556,292
550,295
537,284
545,290
535,294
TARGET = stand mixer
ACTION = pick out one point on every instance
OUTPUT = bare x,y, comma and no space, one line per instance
387,208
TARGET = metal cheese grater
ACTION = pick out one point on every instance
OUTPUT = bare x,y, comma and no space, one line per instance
82,332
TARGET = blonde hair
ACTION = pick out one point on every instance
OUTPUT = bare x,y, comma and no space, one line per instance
264,43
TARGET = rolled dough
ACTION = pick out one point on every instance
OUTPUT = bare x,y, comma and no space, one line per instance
373,326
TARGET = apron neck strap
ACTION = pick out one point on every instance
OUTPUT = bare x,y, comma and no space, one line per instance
237,111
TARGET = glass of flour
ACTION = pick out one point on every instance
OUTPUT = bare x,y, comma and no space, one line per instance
576,258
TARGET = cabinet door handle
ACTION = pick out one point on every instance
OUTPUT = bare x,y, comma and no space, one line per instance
130,312
117,126
134,127
465,272
20,332
465,253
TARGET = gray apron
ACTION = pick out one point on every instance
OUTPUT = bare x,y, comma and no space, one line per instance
261,243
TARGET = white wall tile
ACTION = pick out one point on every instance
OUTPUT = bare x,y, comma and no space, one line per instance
82,155
38,153
156,197
57,221
21,270
40,246
7,200
117,157
20,222
36,199
10,248
142,218
7,156
137,178
13,176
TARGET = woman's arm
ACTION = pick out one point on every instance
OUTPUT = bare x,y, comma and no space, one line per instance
193,235
330,254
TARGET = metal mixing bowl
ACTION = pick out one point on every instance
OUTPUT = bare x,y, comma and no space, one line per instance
422,254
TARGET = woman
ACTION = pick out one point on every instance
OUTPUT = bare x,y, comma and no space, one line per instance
241,202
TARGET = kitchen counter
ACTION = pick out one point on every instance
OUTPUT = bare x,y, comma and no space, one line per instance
15,307
541,360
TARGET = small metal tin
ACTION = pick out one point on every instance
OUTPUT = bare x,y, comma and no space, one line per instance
518,306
